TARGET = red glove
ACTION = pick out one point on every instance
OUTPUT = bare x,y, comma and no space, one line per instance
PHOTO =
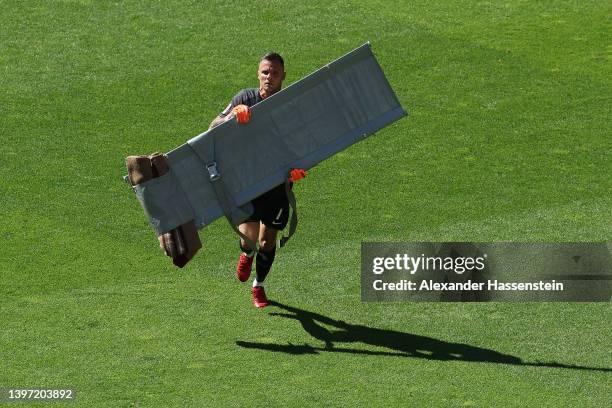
297,174
242,113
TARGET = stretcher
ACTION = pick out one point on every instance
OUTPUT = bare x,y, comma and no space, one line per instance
220,171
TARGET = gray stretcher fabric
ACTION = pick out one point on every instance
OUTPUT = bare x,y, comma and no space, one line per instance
298,127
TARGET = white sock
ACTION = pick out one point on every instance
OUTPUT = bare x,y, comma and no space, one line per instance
255,283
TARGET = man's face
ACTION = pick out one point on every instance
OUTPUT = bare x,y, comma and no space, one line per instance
271,75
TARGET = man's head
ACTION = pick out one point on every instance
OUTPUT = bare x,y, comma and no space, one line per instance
271,74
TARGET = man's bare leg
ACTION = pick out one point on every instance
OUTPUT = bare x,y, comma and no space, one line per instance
267,238
251,230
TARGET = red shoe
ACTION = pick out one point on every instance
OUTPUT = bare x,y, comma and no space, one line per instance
243,270
259,297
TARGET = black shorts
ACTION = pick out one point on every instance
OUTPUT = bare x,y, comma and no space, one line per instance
271,208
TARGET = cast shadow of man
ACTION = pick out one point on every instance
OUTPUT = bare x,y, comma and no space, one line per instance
399,344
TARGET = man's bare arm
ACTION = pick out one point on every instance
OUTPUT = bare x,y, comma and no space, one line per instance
219,120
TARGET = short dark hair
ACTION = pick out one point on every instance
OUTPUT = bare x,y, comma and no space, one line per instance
273,56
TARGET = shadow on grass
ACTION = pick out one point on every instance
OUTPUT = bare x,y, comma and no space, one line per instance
401,344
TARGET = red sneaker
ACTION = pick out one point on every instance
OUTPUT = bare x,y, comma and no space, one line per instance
243,270
259,297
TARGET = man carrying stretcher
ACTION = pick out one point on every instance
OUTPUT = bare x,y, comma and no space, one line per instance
271,209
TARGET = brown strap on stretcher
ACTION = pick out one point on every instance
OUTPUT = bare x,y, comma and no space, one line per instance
181,243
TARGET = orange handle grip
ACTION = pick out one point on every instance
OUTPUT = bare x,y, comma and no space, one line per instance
297,174
242,113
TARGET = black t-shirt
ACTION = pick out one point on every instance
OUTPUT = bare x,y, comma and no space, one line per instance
250,97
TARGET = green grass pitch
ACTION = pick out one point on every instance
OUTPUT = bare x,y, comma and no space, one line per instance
508,139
